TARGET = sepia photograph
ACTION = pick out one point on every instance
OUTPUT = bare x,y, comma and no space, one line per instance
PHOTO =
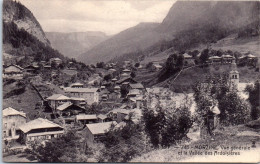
97,81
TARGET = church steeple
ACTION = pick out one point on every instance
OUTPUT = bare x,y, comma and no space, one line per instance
233,75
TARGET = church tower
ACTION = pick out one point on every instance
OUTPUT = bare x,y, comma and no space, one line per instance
233,75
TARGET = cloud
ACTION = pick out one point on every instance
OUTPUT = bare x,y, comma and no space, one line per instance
100,15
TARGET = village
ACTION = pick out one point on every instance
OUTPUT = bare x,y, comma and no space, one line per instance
93,106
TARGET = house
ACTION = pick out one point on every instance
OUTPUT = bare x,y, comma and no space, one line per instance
57,61
13,72
69,109
86,119
95,132
134,93
31,69
156,67
123,75
215,59
103,118
138,86
118,114
227,58
188,60
89,94
56,100
77,85
117,89
78,101
12,119
40,129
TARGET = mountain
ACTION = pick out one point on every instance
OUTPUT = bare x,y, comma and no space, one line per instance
133,39
188,24
23,38
24,19
75,43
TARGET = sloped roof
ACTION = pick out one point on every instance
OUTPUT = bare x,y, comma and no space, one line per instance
64,106
100,128
134,92
58,97
126,70
214,57
187,56
39,123
117,87
251,56
124,79
157,65
137,86
77,99
86,117
102,116
83,90
77,84
119,110
227,56
11,112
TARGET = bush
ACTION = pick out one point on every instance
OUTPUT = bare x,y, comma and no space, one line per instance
166,127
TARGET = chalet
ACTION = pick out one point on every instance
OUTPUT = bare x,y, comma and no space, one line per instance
123,75
215,59
77,85
188,60
69,109
31,69
56,100
57,61
13,72
114,80
117,89
86,119
12,119
103,87
40,129
156,67
103,118
227,58
138,86
95,132
118,114
134,93
89,94
114,96
47,67
78,101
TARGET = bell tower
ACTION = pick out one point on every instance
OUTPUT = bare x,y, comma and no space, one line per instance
233,75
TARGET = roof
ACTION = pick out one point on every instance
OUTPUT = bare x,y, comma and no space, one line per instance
157,65
76,84
58,97
11,112
7,69
86,117
214,57
251,56
85,90
39,123
137,86
77,99
119,110
134,92
187,56
117,87
126,70
102,116
227,56
100,128
103,86
112,69
124,74
114,79
64,106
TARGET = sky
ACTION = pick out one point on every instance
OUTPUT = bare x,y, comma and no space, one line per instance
109,16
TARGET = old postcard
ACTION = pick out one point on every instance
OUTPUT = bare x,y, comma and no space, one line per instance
130,81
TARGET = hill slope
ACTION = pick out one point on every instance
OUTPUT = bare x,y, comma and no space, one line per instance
24,19
188,24
133,39
75,43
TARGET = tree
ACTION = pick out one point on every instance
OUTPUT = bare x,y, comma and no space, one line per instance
132,74
204,56
166,126
67,148
254,97
123,144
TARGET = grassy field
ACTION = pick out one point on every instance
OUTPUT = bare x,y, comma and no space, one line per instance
233,138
